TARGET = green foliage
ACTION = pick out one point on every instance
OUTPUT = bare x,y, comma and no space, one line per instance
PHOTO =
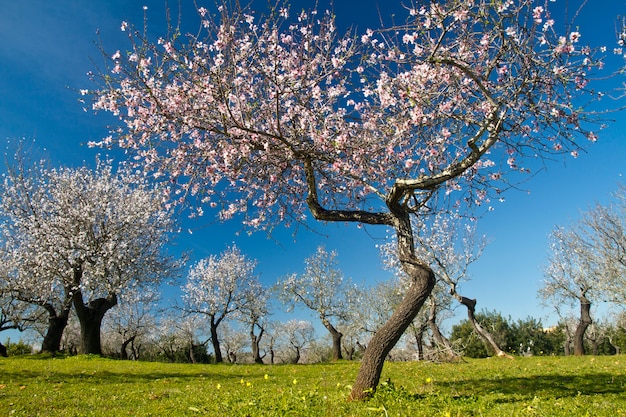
38,385
19,348
473,345
523,337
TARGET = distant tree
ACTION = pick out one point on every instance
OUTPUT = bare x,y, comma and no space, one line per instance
80,237
132,320
295,335
322,289
573,275
529,337
265,116
253,313
473,346
217,287
604,229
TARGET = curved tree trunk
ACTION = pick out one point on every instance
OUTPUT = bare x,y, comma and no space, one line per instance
90,317
216,342
583,323
423,281
440,339
256,340
480,330
125,343
336,336
57,322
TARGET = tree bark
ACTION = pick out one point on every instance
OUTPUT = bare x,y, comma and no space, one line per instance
125,343
336,336
480,330
90,317
256,340
215,341
440,339
57,322
583,323
54,333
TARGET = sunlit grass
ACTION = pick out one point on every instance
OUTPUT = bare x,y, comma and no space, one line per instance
91,386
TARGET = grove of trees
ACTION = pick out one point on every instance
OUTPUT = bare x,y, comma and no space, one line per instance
266,118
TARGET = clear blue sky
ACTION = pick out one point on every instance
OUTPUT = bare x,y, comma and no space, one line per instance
47,47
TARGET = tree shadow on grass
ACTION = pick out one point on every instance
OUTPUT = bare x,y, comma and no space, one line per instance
539,385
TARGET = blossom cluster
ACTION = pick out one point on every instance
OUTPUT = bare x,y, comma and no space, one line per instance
251,114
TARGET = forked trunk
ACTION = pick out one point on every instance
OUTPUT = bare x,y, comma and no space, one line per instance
583,324
216,342
125,343
336,335
90,317
440,339
54,333
422,282
256,341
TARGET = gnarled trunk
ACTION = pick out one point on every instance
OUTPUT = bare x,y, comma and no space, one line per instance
125,343
54,333
215,341
480,330
57,322
90,317
422,282
336,335
256,340
440,339
583,323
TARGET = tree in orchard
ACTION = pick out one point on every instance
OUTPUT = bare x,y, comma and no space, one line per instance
448,243
574,275
131,321
322,289
80,237
218,287
253,313
263,117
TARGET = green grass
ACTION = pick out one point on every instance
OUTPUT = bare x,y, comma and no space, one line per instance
92,386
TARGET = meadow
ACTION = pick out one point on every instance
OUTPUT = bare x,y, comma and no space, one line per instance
93,386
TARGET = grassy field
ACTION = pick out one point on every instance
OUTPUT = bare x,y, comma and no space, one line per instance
92,386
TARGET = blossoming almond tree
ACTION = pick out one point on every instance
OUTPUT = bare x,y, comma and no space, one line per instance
80,237
217,287
267,117
323,290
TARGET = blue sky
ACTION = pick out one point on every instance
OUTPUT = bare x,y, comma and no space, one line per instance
47,47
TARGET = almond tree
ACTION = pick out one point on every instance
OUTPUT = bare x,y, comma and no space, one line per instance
572,276
253,313
132,320
217,287
265,117
80,237
323,290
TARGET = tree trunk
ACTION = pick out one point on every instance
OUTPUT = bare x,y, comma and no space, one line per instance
90,317
54,333
256,340
440,339
215,342
583,324
423,281
418,334
486,337
3,351
336,336
125,343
